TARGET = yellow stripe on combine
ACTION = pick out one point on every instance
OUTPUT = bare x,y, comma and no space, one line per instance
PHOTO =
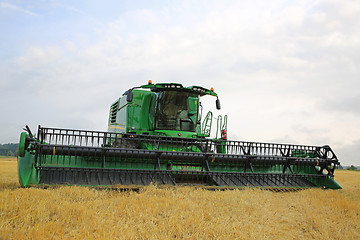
117,127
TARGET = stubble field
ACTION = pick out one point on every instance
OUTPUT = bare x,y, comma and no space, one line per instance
71,212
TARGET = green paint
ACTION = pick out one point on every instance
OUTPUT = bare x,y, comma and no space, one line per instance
26,170
21,151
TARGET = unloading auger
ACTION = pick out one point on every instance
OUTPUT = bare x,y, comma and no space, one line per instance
156,135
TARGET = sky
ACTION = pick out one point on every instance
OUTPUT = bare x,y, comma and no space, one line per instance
285,71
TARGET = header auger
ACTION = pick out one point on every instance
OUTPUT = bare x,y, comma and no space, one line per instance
156,134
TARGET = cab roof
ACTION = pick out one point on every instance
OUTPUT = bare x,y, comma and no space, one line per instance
158,87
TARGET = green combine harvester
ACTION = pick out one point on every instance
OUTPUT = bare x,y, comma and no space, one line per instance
157,134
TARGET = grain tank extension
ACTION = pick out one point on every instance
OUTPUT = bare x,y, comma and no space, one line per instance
158,134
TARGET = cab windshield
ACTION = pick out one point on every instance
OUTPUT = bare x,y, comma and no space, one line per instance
175,111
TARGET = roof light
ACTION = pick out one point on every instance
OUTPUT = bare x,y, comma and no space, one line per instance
212,89
149,82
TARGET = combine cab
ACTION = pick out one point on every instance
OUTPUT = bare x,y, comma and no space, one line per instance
156,134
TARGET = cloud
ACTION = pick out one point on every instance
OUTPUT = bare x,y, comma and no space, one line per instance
39,57
348,104
284,71
6,5
349,154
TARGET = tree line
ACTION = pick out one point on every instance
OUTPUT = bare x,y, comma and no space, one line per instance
9,149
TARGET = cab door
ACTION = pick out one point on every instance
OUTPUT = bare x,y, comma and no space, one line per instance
193,109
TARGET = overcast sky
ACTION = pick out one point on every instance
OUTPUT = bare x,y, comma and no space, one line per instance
285,71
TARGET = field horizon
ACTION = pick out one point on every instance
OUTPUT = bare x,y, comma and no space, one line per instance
74,212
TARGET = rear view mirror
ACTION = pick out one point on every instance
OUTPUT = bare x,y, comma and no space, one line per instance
218,107
129,96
